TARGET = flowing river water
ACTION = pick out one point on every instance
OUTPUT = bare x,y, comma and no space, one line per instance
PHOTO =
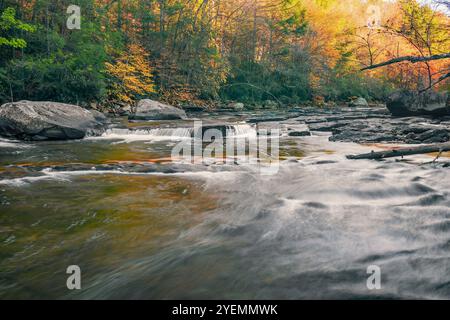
215,230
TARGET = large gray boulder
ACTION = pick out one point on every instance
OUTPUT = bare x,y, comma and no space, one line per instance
407,103
153,110
37,120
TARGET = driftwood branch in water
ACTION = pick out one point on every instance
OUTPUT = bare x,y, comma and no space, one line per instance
440,147
411,59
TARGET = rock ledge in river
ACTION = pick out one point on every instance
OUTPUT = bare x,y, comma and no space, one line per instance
42,120
153,110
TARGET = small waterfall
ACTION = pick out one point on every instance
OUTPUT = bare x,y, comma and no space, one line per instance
157,132
239,130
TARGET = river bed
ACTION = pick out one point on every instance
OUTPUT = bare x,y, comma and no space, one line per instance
183,230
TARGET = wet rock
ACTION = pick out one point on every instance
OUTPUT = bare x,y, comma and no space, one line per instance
267,119
194,108
224,129
432,136
153,110
36,120
358,102
327,126
212,130
414,130
407,103
353,136
325,162
299,134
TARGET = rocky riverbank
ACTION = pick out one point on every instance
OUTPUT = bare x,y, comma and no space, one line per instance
359,123
375,124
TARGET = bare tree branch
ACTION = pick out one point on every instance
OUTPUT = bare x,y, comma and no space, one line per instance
411,59
442,78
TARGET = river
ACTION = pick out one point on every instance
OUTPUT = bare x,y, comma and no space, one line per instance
219,230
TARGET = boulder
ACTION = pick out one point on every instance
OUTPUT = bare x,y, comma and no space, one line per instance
99,116
37,120
270,104
125,110
153,110
407,103
358,102
238,106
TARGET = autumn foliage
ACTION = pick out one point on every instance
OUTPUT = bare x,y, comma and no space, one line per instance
202,51
130,75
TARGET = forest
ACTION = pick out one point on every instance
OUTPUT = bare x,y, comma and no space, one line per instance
210,52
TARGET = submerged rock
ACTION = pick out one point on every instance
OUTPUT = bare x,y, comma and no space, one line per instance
407,103
153,110
37,120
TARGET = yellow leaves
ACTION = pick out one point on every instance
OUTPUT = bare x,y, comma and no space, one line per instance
132,75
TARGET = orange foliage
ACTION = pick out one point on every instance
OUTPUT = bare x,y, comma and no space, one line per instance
132,74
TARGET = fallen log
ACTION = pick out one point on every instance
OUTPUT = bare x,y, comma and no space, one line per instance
440,147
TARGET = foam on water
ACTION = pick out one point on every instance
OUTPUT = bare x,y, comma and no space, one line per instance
22,181
8,143
49,174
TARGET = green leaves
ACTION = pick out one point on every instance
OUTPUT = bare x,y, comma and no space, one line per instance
8,24
15,42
